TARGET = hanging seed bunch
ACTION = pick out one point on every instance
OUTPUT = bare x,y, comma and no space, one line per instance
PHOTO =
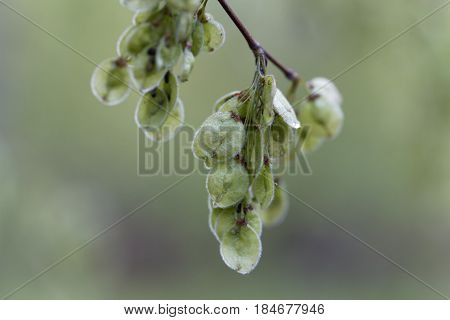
153,55
250,130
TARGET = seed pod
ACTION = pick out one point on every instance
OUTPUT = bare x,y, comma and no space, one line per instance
215,214
281,140
323,111
254,221
214,34
225,219
241,249
188,65
198,38
268,96
227,184
228,102
254,150
278,209
167,55
139,5
263,187
170,127
311,135
152,111
246,101
110,81
233,105
329,116
137,39
144,74
325,88
220,137
285,110
237,102
169,85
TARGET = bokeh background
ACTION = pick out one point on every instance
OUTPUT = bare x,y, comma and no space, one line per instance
68,164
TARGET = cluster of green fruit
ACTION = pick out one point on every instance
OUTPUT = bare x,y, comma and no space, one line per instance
153,55
251,132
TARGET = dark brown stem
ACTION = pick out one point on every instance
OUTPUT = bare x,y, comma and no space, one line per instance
291,74
257,49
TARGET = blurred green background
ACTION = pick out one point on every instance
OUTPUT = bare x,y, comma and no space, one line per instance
68,164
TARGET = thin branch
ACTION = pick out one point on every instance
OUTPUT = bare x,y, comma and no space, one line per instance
290,73
257,49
